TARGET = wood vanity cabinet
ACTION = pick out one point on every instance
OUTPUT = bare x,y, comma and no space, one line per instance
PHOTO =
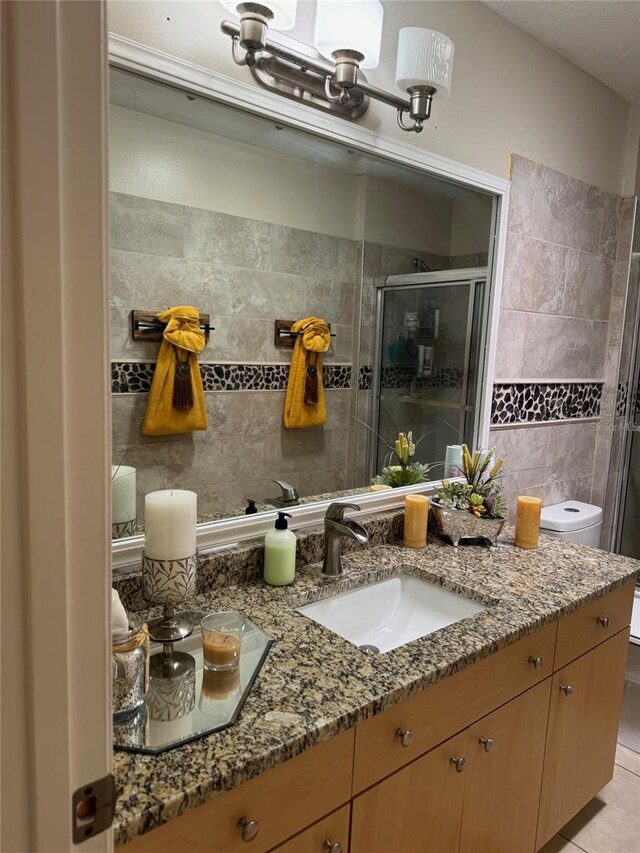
478,791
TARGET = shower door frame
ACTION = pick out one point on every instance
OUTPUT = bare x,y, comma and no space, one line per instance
471,277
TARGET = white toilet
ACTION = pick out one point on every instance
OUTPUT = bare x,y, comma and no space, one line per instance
573,520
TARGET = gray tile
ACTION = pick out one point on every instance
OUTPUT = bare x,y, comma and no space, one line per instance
628,758
524,176
587,288
610,206
610,823
597,350
534,275
556,347
571,451
145,225
292,250
349,260
298,450
510,345
226,240
522,448
256,294
121,285
245,339
161,282
625,228
333,301
566,211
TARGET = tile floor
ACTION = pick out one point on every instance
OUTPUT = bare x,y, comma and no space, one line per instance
610,823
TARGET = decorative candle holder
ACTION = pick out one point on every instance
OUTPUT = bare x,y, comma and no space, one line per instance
120,529
169,582
172,685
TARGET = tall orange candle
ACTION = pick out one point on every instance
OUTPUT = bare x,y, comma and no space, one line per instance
416,510
528,522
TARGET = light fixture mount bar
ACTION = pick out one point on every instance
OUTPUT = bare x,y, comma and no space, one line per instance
337,87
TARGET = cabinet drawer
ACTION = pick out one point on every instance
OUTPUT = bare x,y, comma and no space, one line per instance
449,706
333,829
282,801
592,624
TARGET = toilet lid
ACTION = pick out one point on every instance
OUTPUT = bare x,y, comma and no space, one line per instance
569,515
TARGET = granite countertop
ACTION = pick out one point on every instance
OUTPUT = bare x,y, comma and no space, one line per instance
314,684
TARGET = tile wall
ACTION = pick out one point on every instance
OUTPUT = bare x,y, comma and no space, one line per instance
245,273
561,320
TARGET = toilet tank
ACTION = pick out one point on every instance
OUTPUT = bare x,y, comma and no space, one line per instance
573,520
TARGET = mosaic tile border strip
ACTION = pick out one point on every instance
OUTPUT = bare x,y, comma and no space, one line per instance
531,402
398,376
622,397
128,377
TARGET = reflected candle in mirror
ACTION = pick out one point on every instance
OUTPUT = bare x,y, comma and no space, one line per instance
220,685
416,511
528,522
222,640
170,518
123,494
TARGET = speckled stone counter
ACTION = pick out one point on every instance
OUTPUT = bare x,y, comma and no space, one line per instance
315,684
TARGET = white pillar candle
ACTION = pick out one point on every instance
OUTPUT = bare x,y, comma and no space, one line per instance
170,518
453,461
123,494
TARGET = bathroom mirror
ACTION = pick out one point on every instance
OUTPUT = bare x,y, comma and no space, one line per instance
253,222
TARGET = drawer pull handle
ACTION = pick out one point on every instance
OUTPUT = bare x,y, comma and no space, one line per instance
460,763
332,846
567,689
536,663
406,736
248,828
487,742
604,621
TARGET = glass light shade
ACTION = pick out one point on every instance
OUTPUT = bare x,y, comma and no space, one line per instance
284,12
425,58
350,25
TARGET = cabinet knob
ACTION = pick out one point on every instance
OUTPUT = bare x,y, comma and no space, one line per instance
406,736
332,846
536,663
248,828
487,742
567,689
460,763
604,621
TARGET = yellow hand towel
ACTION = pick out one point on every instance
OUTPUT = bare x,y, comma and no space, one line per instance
177,360
304,404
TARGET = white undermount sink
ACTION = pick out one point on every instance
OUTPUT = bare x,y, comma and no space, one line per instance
391,612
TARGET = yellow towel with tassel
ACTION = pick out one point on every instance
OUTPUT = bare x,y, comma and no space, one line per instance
304,405
176,400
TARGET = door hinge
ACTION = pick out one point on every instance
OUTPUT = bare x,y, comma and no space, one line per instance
92,808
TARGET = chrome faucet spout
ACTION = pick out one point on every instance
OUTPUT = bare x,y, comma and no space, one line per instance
336,527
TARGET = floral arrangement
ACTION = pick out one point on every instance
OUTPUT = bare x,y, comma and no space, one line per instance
406,473
480,494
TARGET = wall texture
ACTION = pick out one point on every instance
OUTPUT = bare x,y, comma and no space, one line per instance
559,336
495,105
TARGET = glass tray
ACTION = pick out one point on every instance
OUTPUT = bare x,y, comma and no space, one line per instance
195,703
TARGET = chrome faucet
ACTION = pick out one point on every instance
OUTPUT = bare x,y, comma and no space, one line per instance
335,527
289,496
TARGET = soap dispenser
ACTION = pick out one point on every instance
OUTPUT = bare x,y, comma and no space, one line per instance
280,553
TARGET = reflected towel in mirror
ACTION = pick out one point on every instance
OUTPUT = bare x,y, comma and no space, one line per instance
304,404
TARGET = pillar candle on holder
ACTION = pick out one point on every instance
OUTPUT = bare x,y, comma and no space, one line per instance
528,522
170,518
123,494
416,511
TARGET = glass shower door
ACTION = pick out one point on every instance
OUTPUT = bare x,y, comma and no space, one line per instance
429,341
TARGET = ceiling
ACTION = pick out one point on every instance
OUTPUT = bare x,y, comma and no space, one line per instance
600,36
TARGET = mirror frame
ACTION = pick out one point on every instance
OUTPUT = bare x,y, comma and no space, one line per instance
155,65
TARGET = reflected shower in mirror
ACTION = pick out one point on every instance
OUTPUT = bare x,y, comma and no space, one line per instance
253,222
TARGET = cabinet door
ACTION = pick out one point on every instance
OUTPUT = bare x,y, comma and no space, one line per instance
502,789
329,835
586,696
416,810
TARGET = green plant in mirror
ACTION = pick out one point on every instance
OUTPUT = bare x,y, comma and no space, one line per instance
480,492
406,473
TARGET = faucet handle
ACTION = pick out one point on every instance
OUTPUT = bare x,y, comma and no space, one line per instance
336,511
289,492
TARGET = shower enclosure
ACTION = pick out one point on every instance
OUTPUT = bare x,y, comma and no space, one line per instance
430,334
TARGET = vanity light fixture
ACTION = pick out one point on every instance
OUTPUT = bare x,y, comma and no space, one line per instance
347,40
